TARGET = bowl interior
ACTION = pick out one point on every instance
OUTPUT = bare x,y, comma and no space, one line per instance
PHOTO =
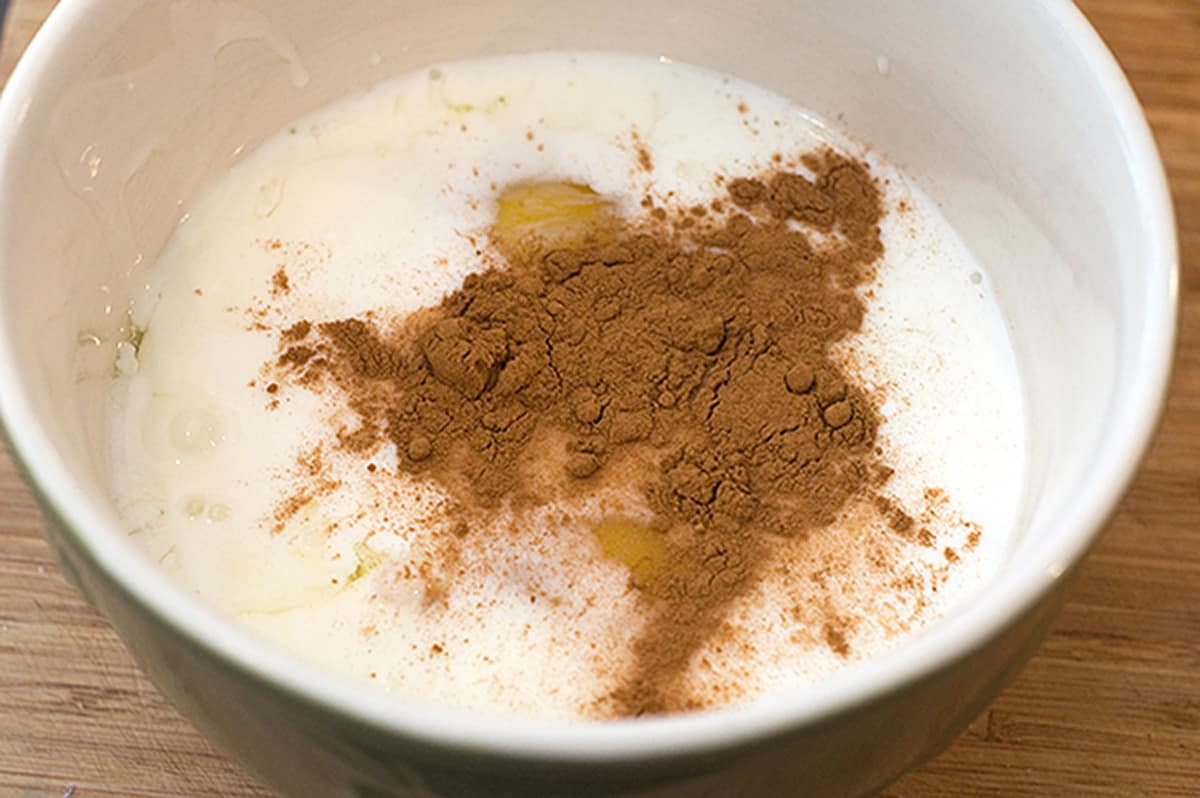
1011,120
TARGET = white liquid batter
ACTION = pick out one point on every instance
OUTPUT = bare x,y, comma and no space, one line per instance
377,203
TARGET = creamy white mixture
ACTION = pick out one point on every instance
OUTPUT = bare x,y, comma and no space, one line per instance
378,203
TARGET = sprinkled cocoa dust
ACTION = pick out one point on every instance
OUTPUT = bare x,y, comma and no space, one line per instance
685,353
280,284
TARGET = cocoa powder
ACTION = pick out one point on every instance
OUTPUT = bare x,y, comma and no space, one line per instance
686,353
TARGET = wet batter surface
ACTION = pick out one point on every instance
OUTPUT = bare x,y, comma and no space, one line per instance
570,386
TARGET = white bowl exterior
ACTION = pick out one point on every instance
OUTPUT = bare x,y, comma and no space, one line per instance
1013,117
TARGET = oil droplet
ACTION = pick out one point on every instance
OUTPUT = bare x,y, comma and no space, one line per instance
170,558
193,507
195,430
270,196
639,547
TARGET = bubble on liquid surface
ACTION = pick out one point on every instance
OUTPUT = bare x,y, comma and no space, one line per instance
195,430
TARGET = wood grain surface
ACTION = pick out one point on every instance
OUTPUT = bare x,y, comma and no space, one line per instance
1109,707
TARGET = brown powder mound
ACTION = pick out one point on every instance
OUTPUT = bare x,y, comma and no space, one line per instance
688,354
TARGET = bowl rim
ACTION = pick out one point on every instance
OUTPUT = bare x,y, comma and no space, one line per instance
87,526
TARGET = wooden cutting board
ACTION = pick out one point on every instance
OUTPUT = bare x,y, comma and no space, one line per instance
1109,707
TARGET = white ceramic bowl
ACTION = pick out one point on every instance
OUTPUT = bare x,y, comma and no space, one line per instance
1011,115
